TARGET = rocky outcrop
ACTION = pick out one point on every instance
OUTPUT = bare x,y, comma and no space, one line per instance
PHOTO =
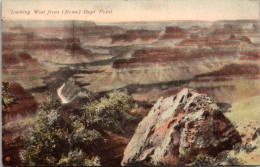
26,104
249,132
129,55
22,68
179,128
175,33
111,152
234,70
132,35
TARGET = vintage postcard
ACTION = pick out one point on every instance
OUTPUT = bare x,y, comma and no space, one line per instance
130,83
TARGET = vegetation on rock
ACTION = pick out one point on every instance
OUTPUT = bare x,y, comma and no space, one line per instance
60,139
55,139
112,112
225,158
7,100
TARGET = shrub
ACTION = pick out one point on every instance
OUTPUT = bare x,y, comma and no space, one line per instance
55,140
92,162
203,160
77,157
68,140
73,158
111,113
7,100
226,158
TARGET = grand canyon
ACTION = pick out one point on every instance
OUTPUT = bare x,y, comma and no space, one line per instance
179,74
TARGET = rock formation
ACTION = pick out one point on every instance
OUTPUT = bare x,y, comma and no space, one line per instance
163,57
177,129
26,104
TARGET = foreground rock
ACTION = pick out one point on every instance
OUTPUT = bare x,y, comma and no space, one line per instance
178,129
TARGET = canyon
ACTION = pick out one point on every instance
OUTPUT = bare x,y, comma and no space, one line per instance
68,59
150,59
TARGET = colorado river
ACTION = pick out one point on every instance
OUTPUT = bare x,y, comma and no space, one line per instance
63,99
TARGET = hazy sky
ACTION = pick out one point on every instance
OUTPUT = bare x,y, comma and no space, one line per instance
132,10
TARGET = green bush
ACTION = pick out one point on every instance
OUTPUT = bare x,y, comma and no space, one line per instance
61,139
56,140
112,113
92,162
7,100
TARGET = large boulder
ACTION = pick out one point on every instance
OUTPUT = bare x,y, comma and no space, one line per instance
179,128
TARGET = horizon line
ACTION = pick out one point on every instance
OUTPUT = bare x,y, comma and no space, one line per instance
127,22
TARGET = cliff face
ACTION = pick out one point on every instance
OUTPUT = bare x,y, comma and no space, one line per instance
25,106
149,59
175,33
179,128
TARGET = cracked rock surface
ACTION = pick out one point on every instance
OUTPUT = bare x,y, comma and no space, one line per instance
179,128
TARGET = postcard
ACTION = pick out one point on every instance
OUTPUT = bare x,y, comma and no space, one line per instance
130,83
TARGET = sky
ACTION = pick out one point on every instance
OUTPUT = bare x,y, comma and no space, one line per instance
131,10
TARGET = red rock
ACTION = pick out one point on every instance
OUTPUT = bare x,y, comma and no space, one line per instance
26,105
179,128
132,35
112,152
164,56
241,38
234,70
252,55
175,33
10,149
